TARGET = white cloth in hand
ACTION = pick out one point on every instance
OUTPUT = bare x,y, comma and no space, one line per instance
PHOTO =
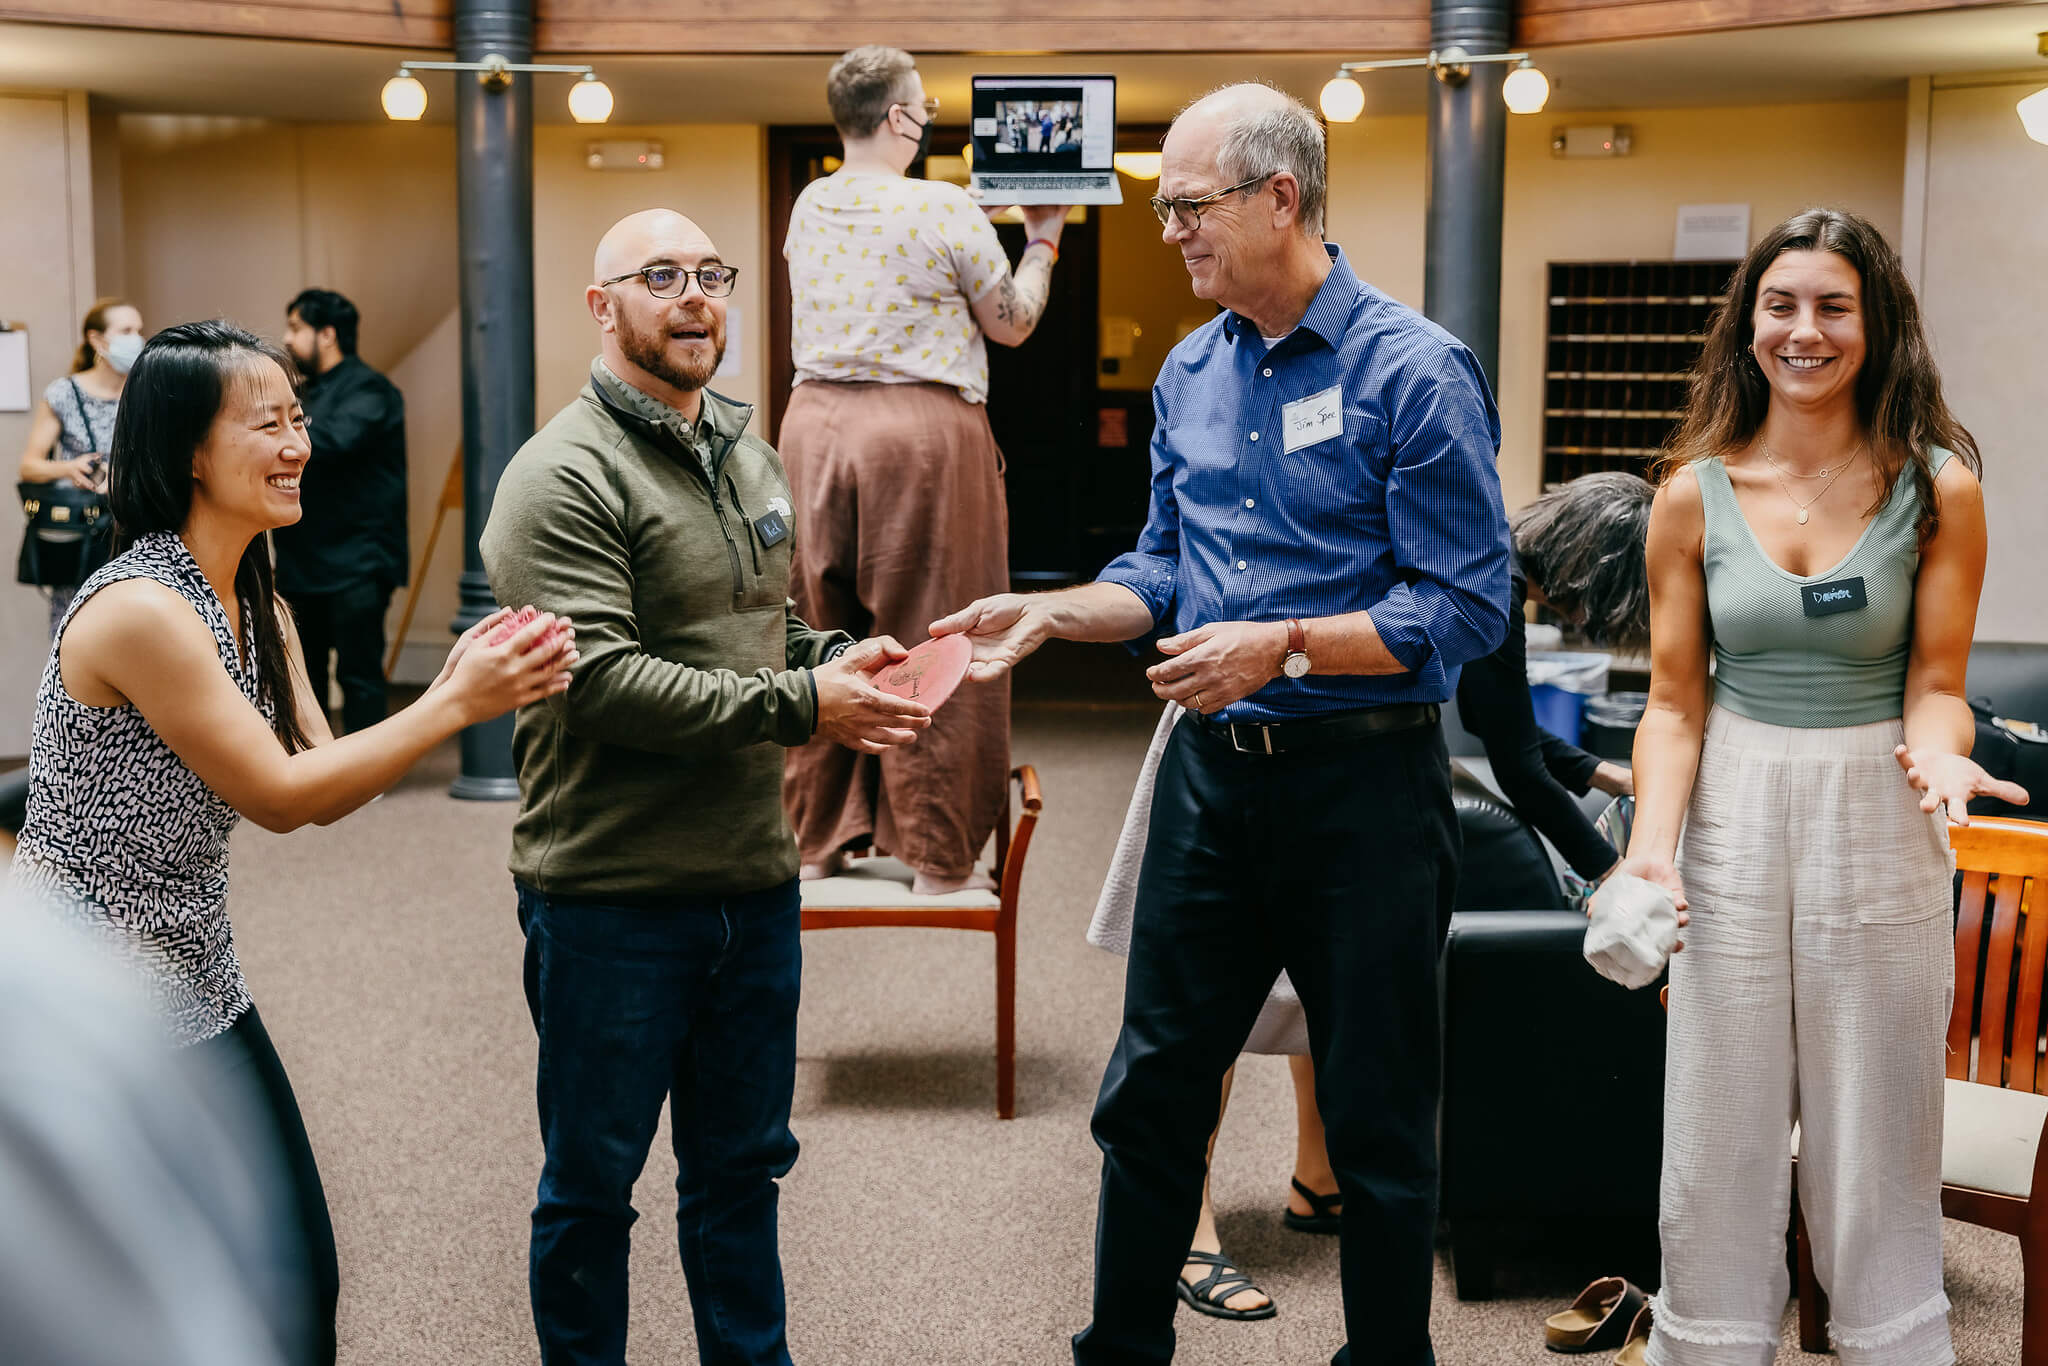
1634,927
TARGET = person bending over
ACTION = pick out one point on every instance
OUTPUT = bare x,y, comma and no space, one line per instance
1578,550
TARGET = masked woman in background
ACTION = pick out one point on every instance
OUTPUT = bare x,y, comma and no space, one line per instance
68,440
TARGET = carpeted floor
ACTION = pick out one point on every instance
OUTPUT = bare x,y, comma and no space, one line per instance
916,1227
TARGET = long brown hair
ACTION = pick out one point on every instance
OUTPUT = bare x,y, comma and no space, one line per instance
95,321
1898,391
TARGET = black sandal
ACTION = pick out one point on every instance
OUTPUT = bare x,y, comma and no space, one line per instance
1324,1220
1207,1295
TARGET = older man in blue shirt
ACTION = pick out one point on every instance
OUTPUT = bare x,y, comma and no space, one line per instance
1326,546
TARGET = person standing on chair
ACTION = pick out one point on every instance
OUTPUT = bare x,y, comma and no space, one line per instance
656,875
68,440
1326,546
897,286
1819,538
337,567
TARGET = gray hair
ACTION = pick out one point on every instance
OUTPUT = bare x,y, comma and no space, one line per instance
1269,141
863,84
1582,543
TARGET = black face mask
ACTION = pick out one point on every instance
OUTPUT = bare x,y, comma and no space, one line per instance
924,135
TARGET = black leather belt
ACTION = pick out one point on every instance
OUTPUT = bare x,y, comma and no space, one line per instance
1282,737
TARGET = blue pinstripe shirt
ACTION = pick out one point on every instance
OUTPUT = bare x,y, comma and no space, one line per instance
1350,468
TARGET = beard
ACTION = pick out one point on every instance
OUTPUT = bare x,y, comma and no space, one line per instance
648,348
308,365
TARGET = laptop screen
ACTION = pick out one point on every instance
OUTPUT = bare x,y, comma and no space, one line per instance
1044,123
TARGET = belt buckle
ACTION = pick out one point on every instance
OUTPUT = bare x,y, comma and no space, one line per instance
1265,738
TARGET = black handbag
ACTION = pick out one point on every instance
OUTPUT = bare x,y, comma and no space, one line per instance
70,529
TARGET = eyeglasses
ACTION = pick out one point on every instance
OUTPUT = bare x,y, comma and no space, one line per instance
668,282
1188,212
931,107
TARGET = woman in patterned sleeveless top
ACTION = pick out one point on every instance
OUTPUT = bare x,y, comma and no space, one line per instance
175,701
1819,538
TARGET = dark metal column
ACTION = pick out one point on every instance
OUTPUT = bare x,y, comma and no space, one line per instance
494,178
1468,128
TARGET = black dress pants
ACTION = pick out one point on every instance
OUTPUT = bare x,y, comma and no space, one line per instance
245,1053
1339,865
349,624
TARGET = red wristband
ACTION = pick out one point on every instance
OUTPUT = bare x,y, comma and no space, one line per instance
1047,243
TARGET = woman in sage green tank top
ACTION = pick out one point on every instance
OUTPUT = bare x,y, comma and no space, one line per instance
1819,539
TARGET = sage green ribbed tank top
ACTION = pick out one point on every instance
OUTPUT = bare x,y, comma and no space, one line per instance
1776,664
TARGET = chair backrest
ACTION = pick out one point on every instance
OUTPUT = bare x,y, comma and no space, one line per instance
1011,847
2001,953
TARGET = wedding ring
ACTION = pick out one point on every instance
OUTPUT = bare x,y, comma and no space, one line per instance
1198,699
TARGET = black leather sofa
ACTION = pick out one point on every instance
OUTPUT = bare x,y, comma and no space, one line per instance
1552,1118
2012,676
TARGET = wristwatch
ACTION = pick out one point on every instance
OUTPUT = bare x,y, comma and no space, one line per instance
1295,665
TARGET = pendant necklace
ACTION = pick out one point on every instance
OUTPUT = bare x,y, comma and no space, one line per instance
1832,474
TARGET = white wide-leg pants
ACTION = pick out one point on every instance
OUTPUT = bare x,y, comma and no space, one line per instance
1814,988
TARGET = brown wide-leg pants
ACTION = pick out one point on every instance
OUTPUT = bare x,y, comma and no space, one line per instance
900,519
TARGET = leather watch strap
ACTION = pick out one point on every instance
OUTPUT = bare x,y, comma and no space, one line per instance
1297,639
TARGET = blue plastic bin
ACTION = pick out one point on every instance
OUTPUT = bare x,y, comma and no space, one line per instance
1561,713
1560,681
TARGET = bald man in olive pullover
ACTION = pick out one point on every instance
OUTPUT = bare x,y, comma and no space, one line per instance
656,873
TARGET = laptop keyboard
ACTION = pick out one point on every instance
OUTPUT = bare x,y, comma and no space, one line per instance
1091,181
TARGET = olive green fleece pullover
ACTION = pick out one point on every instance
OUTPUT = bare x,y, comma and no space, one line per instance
659,773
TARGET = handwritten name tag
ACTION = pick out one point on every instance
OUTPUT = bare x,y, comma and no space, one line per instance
1318,417
1826,599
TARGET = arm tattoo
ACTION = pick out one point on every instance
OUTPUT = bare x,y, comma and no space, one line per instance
1022,295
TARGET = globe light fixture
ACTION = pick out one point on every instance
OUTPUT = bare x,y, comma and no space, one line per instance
1343,99
1525,90
590,100
2033,110
405,99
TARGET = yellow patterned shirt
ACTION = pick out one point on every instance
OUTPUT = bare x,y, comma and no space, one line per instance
883,273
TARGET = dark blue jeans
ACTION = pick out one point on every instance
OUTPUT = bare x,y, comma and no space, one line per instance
692,1001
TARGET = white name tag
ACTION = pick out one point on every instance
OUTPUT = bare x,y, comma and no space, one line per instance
1318,417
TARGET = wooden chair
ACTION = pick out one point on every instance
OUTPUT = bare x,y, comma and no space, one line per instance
876,891
1994,1154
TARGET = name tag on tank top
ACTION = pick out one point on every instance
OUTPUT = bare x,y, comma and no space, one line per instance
1826,599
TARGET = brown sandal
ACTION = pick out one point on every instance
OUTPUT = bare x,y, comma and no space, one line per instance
1599,1320
1636,1350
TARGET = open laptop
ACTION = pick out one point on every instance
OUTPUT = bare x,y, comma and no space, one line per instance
1045,140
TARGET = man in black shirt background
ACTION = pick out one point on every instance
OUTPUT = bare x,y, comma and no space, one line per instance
338,565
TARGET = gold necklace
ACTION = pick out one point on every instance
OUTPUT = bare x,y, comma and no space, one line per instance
1787,488
1823,472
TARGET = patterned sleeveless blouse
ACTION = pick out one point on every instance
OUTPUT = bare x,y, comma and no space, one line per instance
124,835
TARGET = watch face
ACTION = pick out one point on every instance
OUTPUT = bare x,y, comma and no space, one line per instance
1295,665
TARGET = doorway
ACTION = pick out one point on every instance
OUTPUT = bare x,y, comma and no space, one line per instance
1070,510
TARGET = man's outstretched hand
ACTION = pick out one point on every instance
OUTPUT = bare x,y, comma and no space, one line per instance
1003,629
853,712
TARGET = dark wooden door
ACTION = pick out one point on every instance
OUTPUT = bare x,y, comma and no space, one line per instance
1041,406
